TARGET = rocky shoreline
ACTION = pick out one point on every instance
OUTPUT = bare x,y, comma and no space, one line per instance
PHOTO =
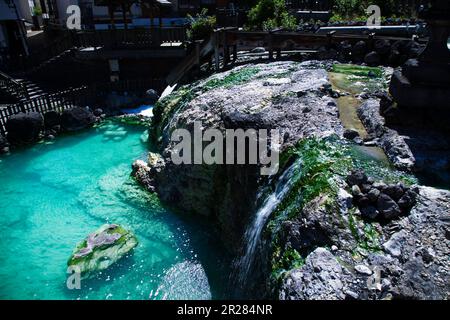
30,127
322,241
353,257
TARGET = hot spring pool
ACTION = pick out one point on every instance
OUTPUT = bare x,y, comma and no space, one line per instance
53,195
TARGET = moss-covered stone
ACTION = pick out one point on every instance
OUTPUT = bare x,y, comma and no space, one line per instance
101,249
168,106
357,70
232,79
322,165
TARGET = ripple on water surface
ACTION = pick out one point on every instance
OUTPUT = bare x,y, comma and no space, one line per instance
53,195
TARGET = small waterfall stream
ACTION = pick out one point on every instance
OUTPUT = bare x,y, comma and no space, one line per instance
253,232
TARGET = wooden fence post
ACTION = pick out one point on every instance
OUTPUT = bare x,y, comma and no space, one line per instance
270,42
216,51
226,49
371,41
330,38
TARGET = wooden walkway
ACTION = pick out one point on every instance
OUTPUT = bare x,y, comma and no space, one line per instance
117,39
224,45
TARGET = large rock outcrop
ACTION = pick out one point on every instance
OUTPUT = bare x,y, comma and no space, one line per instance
289,96
316,242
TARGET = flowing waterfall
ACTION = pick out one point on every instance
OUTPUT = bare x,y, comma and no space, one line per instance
253,232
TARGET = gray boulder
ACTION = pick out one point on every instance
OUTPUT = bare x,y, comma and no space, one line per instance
359,50
51,119
382,47
151,96
98,112
388,207
321,278
372,59
24,127
77,119
4,145
101,249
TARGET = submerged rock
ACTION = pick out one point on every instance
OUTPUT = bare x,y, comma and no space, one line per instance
101,249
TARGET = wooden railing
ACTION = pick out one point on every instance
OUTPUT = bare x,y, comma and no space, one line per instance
313,5
224,42
109,39
400,7
14,88
133,38
83,96
231,18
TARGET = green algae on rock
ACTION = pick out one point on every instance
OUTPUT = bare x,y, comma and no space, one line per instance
101,249
357,79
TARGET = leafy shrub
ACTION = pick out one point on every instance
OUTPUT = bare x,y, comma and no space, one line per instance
37,11
356,9
270,14
201,25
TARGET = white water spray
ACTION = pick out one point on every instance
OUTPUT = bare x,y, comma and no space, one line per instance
253,232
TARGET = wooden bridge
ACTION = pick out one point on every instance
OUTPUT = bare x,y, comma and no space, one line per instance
157,39
225,44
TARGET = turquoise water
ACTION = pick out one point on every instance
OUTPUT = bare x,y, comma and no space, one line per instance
53,195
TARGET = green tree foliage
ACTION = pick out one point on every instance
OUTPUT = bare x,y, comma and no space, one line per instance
351,9
271,14
201,25
37,11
